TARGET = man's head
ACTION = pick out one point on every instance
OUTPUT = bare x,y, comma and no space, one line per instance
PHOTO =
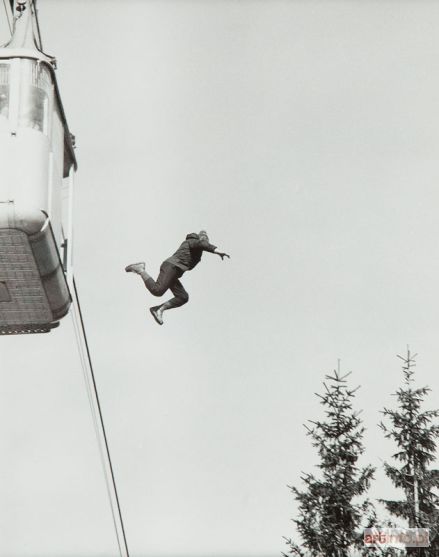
202,235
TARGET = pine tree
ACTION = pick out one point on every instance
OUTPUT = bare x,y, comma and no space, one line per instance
415,433
330,518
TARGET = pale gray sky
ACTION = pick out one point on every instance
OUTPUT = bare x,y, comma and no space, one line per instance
304,137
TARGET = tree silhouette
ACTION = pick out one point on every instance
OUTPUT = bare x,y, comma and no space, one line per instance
415,433
331,514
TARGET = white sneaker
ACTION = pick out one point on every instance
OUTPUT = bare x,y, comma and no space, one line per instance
135,268
156,314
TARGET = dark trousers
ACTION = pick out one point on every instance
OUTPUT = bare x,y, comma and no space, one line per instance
168,279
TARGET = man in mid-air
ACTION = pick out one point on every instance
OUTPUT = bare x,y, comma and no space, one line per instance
184,259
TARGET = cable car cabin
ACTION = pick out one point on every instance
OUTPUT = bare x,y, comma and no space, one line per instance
36,157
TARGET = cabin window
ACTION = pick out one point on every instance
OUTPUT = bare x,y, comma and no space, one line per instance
4,91
35,96
33,109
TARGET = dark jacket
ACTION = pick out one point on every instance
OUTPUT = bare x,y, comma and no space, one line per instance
189,253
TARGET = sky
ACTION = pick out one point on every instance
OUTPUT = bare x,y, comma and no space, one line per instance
303,136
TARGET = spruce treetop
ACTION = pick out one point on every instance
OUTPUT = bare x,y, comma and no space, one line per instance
414,432
330,514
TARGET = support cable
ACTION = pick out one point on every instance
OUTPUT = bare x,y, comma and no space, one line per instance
89,390
91,400
82,357
86,361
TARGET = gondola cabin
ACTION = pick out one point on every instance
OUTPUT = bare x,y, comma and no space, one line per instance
37,164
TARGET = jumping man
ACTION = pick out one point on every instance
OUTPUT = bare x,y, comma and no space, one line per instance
184,259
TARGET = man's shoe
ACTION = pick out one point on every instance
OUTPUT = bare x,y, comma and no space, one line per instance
135,268
156,315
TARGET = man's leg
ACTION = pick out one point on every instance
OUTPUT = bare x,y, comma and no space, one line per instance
167,276
180,298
